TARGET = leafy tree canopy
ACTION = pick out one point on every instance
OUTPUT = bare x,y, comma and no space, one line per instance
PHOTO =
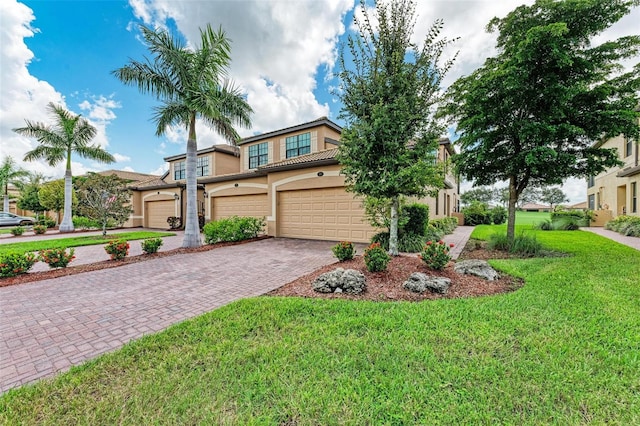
553,196
52,195
104,198
533,114
482,194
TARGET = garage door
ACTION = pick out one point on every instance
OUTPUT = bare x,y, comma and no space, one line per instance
157,212
322,214
240,205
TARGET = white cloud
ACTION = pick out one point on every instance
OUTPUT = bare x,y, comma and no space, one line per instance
121,158
160,170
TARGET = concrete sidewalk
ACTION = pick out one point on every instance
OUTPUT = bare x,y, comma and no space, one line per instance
633,242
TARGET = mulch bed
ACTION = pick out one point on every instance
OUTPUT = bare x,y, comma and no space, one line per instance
106,264
386,286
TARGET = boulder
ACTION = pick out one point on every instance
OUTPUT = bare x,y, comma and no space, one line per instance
340,280
479,268
419,283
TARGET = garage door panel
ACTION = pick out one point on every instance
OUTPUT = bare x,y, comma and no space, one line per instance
240,205
328,213
157,212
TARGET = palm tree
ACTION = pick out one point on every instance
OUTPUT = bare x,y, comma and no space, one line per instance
191,84
9,173
70,134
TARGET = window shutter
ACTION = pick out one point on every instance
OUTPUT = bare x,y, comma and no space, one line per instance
314,141
283,149
245,156
270,153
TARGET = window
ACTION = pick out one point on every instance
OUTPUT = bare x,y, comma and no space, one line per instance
590,181
202,166
179,171
258,155
628,147
298,145
592,202
634,197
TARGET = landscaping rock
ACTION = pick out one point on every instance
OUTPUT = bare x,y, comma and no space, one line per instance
340,280
479,268
419,283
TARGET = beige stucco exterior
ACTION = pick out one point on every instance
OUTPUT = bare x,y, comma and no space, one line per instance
616,191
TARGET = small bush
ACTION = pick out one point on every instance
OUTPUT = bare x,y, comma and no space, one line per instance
18,230
446,224
117,249
233,229
417,218
436,255
569,219
344,250
498,215
410,243
82,222
625,225
12,264
477,214
523,245
39,229
174,222
47,221
381,238
545,225
151,245
433,234
56,257
376,258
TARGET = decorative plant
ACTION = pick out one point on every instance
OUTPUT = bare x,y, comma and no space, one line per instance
39,229
344,250
12,264
18,230
151,245
117,249
174,222
436,255
57,257
376,258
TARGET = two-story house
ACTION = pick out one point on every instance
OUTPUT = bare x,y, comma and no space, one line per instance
290,176
616,189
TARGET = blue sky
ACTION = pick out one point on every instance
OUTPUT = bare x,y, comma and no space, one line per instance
283,55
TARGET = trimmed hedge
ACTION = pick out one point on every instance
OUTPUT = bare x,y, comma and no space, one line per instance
625,225
233,228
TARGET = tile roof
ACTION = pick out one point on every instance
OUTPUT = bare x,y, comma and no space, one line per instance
126,175
150,183
324,156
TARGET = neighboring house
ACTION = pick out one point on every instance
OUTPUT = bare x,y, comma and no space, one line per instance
617,189
533,207
290,176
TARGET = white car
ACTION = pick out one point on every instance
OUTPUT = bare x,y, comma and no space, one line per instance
10,219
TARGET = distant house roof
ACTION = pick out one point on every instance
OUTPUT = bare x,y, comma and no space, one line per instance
224,148
152,183
582,205
534,206
127,175
297,128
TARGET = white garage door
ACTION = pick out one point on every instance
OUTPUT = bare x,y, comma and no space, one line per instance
322,214
157,212
240,205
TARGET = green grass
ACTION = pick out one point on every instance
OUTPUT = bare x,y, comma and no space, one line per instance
531,218
78,241
5,230
564,349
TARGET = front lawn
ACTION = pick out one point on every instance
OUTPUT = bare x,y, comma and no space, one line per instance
564,349
45,244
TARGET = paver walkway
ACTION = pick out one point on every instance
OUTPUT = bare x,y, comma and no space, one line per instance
633,242
48,326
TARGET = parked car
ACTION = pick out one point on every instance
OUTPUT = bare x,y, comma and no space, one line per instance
10,219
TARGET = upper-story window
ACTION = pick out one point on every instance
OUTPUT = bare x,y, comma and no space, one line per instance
591,181
202,166
258,155
298,145
628,147
179,171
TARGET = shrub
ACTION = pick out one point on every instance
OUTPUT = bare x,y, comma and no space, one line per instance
118,249
433,233
381,238
498,215
47,221
446,224
570,219
56,257
476,214
625,225
233,229
12,264
523,245
151,245
417,218
408,243
344,250
545,225
18,230
174,222
376,258
39,229
82,222
436,255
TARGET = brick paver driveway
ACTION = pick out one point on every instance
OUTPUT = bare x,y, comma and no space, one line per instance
48,326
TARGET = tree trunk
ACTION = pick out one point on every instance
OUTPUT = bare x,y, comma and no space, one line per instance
191,225
393,228
513,199
67,222
104,228
5,204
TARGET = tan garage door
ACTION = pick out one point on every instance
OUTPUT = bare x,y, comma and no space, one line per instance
157,212
322,214
240,205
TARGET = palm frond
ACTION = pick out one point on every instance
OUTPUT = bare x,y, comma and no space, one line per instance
170,114
94,152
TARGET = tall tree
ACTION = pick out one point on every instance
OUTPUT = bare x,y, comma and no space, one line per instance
482,194
9,173
105,199
553,196
70,134
388,94
29,193
191,84
533,114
